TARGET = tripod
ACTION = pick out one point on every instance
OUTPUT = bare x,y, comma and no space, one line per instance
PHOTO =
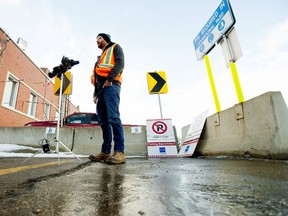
45,142
58,124
45,148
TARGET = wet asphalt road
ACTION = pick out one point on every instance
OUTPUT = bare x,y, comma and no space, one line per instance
169,186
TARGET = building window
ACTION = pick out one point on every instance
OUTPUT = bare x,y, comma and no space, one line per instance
10,92
47,111
32,105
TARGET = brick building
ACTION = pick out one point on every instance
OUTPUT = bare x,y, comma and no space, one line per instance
26,91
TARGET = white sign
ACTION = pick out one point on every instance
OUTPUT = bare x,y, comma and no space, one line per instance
218,24
191,139
136,130
50,130
231,47
160,138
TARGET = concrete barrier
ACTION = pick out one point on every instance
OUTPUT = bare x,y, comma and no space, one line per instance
257,127
89,141
83,141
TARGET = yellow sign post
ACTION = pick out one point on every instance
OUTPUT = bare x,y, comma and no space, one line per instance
212,84
236,82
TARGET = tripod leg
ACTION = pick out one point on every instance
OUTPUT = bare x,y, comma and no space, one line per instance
68,150
32,156
58,124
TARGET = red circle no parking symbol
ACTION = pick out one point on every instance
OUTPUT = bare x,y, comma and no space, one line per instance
159,127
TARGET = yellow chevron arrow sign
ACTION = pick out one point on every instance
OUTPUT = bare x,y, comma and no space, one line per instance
157,82
66,84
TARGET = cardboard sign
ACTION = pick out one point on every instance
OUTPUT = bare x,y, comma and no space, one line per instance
190,141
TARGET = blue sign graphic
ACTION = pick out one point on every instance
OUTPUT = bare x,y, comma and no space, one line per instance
162,149
219,23
210,38
202,48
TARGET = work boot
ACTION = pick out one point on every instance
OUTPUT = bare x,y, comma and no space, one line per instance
117,158
101,157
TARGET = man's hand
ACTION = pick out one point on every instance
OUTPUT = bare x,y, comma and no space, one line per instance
94,99
107,83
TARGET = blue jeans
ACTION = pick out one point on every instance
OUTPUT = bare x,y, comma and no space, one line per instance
109,118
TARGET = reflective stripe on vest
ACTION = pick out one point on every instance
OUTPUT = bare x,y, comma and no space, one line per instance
107,63
106,60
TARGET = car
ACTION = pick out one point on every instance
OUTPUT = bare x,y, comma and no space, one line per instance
77,119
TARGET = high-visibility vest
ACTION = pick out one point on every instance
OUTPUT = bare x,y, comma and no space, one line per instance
105,65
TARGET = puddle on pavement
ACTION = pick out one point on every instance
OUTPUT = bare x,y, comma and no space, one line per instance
163,187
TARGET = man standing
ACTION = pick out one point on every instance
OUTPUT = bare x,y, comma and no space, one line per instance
107,79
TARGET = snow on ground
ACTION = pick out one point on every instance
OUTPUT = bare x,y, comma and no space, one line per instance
9,150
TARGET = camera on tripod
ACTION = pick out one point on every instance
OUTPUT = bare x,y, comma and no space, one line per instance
65,65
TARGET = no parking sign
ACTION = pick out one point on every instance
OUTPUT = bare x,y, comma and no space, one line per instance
160,138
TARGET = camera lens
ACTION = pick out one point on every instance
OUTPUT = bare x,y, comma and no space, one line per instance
51,74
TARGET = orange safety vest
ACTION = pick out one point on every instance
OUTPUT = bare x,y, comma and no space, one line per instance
105,65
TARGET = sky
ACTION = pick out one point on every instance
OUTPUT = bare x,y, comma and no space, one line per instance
156,35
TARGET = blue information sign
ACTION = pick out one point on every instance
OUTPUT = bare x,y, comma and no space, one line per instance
219,23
